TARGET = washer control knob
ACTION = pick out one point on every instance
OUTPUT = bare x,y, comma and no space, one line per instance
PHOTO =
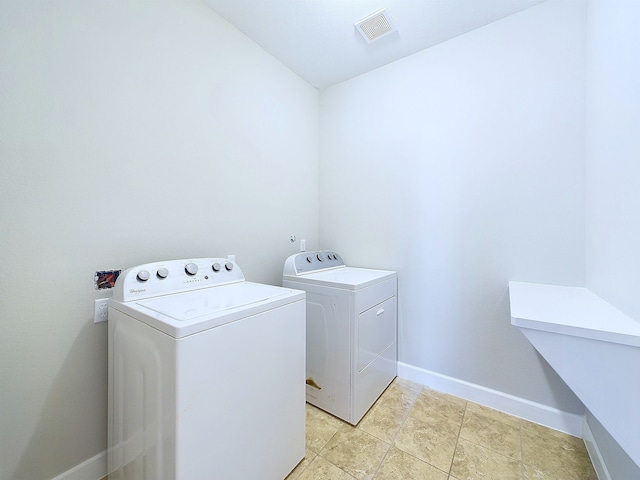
191,268
319,257
216,267
143,275
309,259
162,272
228,266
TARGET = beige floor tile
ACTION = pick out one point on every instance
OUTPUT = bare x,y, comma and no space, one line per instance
308,458
386,416
427,443
407,385
548,454
399,465
473,462
552,440
492,429
492,414
555,470
355,451
399,395
546,434
321,426
320,469
412,432
383,422
445,396
443,412
532,472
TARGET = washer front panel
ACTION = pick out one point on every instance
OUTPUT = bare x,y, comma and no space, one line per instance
180,409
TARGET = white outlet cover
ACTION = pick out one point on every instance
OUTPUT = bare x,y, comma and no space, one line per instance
101,310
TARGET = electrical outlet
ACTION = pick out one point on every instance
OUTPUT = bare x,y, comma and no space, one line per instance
101,310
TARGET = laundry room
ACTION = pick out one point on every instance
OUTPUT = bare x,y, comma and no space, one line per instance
139,131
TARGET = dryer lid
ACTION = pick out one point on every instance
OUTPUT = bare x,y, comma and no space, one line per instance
350,278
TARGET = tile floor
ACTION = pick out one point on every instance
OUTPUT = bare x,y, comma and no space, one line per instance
417,433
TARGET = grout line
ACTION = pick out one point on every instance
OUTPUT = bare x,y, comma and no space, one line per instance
393,440
464,414
521,449
404,420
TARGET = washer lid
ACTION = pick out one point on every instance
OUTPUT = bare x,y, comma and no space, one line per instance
350,278
210,301
186,313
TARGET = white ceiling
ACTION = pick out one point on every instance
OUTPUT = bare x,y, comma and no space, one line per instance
317,38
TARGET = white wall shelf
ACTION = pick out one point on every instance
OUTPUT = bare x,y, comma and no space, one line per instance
594,348
572,311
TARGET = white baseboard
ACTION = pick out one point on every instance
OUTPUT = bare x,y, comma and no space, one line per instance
93,468
594,452
534,412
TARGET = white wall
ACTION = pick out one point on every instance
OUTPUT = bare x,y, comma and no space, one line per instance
613,177
462,167
613,153
129,132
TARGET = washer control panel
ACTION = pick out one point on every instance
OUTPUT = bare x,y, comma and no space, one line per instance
174,276
307,262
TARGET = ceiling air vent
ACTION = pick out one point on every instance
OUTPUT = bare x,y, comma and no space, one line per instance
375,26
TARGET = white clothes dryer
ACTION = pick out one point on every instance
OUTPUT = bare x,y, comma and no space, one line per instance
206,374
351,331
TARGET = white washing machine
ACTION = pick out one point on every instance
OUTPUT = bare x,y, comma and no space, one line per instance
206,374
351,331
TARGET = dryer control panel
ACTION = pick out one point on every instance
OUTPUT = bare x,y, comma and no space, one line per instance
307,262
175,276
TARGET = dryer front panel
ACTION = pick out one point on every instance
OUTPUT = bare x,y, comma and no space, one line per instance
375,355
376,331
